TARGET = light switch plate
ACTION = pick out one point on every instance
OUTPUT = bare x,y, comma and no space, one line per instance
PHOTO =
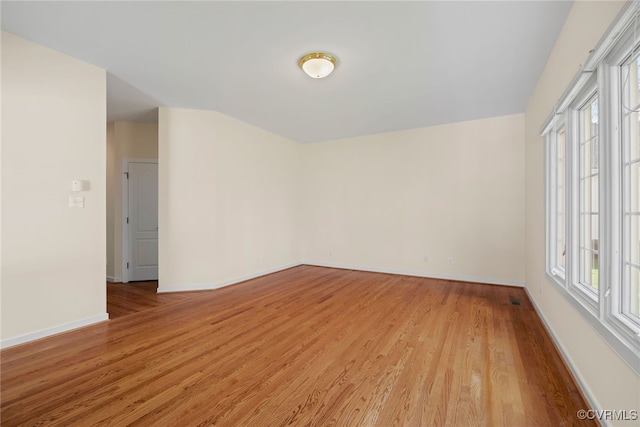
80,185
76,202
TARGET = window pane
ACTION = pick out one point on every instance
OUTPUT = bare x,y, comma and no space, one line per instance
633,240
630,168
634,97
560,247
588,238
589,195
589,272
561,142
634,188
589,164
586,124
634,145
590,137
586,242
633,276
560,199
595,238
632,227
634,83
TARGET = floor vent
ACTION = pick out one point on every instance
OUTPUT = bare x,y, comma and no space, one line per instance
515,301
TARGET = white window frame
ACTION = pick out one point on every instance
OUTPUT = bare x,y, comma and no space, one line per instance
601,75
624,51
588,297
626,166
555,272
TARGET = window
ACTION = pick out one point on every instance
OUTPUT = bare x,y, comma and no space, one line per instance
560,238
630,168
592,148
556,189
589,200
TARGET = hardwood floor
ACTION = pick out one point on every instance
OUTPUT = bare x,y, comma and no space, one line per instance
133,297
307,346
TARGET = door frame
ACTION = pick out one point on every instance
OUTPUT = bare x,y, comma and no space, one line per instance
125,212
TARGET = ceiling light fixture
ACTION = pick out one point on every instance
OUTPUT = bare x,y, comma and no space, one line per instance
317,65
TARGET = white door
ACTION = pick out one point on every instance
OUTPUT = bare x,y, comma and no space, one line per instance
143,221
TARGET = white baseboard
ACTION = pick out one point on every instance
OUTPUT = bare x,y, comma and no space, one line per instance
22,339
211,286
425,275
586,391
114,279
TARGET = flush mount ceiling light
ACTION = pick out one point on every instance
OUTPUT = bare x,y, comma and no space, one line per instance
317,64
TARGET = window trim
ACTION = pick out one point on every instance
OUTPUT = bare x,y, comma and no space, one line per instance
554,272
621,56
587,296
624,56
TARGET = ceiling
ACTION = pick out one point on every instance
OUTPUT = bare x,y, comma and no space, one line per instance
401,65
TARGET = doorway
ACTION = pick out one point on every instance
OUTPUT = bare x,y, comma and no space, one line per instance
139,220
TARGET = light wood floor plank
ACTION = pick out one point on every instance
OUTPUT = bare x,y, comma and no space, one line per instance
307,346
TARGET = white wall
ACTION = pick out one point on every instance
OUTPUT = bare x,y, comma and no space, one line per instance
53,116
228,200
605,376
384,202
124,140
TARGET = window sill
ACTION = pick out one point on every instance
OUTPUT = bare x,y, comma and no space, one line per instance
628,348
